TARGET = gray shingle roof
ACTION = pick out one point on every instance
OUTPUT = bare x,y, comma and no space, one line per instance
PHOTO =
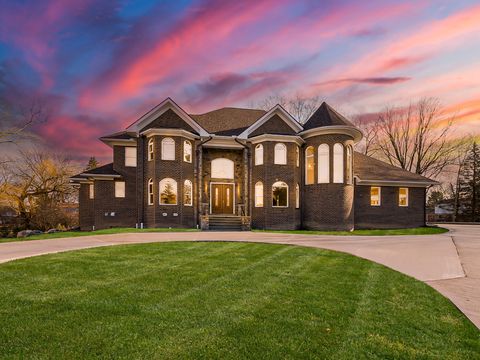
326,116
228,121
101,170
122,135
368,168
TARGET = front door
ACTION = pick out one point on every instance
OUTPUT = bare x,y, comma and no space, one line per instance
222,198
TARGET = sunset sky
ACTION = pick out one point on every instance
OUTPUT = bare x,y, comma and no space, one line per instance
99,65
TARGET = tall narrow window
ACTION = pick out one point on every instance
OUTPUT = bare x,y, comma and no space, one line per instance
323,164
375,196
280,194
297,196
280,154
168,192
119,189
259,154
150,149
297,156
130,156
187,151
91,191
403,197
150,191
168,149
338,163
309,165
259,194
187,193
348,165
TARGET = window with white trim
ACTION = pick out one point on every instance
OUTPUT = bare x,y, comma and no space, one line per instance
150,149
150,192
348,165
338,163
309,165
259,194
91,191
403,197
130,156
168,192
119,189
297,196
222,168
280,194
259,154
187,193
187,151
323,164
280,156
375,196
168,149
297,156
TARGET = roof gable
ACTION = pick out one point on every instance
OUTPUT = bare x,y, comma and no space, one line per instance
155,116
278,112
325,115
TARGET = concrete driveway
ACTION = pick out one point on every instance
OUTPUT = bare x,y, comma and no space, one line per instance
448,262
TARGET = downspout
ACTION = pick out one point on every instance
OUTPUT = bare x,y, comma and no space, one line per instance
198,174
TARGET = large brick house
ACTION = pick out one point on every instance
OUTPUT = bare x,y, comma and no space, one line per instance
246,168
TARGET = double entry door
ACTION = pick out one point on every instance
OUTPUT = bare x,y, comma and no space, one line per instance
222,198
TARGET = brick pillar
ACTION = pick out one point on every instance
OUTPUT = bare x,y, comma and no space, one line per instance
199,177
246,183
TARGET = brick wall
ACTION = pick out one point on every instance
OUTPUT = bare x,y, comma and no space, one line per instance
328,206
389,214
269,217
85,208
178,215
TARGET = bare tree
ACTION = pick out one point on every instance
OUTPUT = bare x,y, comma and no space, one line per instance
34,182
24,116
368,144
411,138
300,107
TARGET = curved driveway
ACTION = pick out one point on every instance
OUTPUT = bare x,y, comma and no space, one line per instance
448,262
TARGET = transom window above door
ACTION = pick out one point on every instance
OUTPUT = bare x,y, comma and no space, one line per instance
222,168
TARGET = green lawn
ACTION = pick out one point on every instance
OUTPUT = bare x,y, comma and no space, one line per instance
223,301
96,232
427,230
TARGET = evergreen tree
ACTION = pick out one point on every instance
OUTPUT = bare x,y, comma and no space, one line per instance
469,186
92,163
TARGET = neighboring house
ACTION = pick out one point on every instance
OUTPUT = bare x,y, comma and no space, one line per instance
246,168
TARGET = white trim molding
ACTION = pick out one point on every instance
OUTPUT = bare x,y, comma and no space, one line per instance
277,138
276,110
223,142
170,132
355,133
167,104
396,183
119,142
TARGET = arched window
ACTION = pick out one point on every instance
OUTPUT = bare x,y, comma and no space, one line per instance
259,154
187,193
309,165
150,191
280,194
187,151
168,149
297,156
297,196
150,149
348,165
222,168
323,164
280,154
259,194
338,163
168,192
